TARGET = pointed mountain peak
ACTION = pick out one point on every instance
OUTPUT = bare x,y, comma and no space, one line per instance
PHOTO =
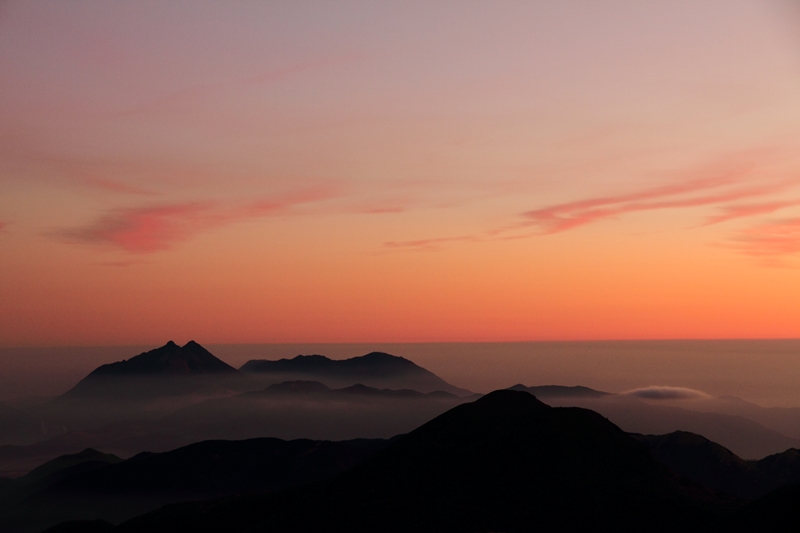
170,359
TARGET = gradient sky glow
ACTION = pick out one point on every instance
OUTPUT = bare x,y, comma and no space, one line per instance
409,171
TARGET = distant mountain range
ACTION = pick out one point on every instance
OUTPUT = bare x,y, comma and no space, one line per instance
376,369
191,369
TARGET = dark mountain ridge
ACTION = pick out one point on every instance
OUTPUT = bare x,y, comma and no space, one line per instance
91,485
375,369
503,464
170,359
170,370
506,462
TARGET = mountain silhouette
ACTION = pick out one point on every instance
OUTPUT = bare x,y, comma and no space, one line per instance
170,359
708,463
506,462
145,387
744,437
305,388
376,369
92,485
310,409
170,370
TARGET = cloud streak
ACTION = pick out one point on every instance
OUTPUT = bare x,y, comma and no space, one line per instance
666,393
558,218
694,193
149,229
731,212
428,244
775,238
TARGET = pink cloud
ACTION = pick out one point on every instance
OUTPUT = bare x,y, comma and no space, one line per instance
730,212
693,193
148,229
143,230
776,238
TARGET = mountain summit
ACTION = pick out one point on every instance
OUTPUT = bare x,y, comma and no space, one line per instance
170,359
166,371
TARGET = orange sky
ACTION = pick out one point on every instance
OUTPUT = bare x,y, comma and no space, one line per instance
331,172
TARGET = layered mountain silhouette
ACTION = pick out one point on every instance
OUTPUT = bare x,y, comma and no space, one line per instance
310,409
93,486
376,369
506,462
174,395
745,437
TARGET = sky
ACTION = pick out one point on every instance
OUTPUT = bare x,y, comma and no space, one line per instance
273,172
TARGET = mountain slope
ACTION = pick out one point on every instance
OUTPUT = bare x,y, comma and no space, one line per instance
707,463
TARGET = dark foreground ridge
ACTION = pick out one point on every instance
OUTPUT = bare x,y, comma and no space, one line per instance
92,485
719,469
506,462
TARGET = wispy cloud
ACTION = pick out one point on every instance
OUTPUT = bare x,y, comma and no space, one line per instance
694,193
148,229
666,393
771,239
558,218
428,244
730,212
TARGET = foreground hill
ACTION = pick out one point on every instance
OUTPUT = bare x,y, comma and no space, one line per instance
376,369
506,462
746,438
92,486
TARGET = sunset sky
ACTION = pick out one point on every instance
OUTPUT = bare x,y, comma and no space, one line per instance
255,172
